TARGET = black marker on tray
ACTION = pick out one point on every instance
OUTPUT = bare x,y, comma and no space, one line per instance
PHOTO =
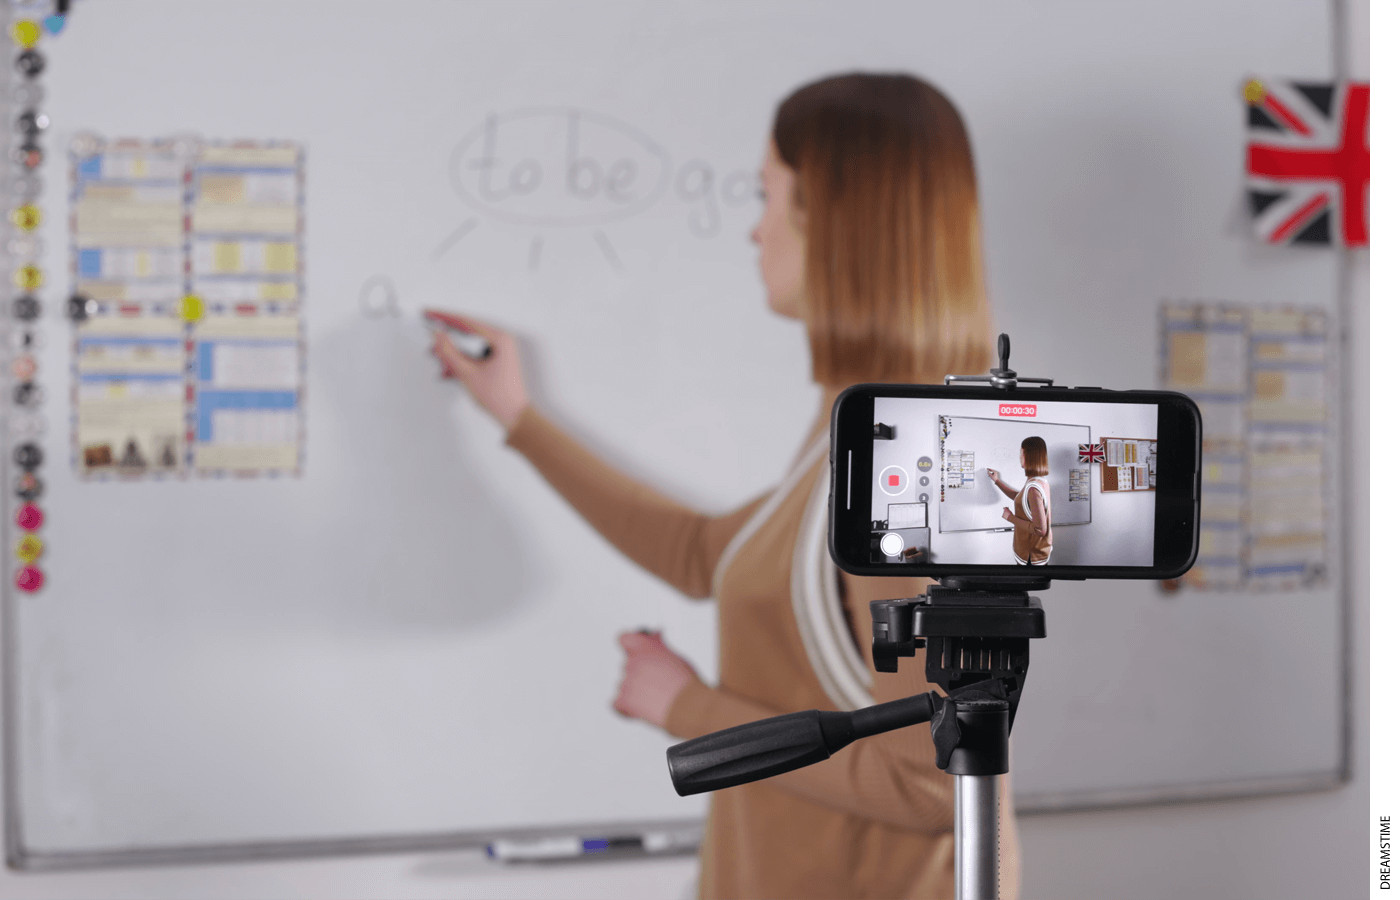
471,344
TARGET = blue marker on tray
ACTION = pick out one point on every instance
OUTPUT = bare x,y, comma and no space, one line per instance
551,848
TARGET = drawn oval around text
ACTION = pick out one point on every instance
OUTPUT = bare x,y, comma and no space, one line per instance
558,166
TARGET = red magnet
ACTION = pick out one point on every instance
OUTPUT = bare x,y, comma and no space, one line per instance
29,578
24,367
29,517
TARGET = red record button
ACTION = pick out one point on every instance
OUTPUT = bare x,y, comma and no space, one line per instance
29,578
29,517
894,480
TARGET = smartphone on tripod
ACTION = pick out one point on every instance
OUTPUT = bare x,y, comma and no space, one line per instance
993,490
1051,482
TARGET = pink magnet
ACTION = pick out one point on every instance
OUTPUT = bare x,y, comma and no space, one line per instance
29,517
24,367
29,579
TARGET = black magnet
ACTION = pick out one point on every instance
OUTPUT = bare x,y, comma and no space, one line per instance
80,307
29,456
27,393
30,63
26,308
32,122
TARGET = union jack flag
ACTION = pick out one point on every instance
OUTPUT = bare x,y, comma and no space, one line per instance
1091,453
1309,161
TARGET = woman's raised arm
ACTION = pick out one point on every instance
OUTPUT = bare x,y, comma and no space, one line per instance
1000,485
677,544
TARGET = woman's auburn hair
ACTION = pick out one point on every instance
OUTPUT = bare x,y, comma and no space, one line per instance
1037,457
894,287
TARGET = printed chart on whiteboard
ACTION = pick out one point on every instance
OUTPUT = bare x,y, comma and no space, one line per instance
1261,378
188,313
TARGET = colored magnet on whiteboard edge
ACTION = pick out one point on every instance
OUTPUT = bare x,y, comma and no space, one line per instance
28,278
29,548
24,367
29,517
192,308
28,486
27,217
25,33
29,579
54,24
28,155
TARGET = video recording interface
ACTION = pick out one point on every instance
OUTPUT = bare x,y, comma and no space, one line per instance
991,482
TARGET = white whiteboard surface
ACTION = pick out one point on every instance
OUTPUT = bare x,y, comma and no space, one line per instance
395,645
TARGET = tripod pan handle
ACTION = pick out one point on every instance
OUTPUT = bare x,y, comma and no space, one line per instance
769,747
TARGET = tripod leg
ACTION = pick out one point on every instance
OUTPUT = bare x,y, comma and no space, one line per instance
976,826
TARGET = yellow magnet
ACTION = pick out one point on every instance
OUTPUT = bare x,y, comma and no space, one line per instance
29,548
1255,91
27,217
28,278
25,33
192,308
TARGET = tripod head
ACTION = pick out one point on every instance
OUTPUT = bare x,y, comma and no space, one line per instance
1003,377
975,639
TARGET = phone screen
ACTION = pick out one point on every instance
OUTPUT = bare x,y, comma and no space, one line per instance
1053,480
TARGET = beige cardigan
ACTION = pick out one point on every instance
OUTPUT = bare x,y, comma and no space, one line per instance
875,820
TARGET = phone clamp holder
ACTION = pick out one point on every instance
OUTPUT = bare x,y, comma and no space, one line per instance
1003,377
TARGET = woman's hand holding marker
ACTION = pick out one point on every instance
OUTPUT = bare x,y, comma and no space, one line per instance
495,380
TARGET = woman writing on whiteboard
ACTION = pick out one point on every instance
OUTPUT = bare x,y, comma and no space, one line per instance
1032,539
870,238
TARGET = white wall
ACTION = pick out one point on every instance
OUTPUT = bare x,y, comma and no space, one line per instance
1304,846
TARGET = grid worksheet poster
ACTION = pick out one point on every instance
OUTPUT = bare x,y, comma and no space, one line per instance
188,308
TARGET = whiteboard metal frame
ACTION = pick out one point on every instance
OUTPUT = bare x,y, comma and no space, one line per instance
371,845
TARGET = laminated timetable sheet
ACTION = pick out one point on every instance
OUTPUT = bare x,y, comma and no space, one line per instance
1079,485
1261,379
189,351
959,469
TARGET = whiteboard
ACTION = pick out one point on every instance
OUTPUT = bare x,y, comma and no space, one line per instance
413,642
996,443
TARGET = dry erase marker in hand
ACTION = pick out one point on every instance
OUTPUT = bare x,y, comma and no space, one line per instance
471,344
